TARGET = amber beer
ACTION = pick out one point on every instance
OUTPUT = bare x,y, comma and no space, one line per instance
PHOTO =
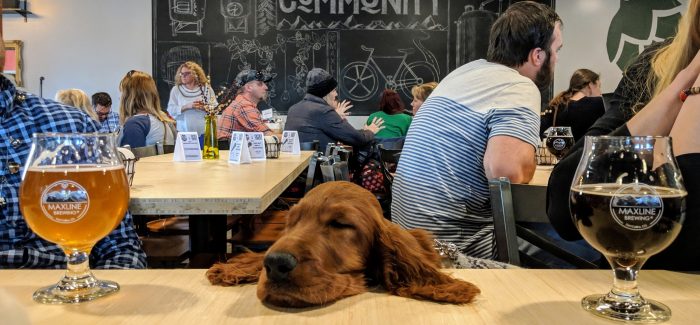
74,207
628,221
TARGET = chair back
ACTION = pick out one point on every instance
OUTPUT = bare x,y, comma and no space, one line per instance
386,157
147,151
521,203
313,145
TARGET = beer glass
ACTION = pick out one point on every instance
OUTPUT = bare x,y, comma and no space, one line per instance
627,200
74,192
559,140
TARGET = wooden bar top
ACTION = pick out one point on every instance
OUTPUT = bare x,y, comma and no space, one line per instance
513,296
216,187
541,177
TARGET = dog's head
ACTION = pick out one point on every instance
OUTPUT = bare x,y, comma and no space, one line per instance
335,241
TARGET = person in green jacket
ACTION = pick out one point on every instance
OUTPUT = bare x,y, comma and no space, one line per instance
396,122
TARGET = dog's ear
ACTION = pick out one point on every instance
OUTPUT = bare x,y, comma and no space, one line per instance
409,267
244,268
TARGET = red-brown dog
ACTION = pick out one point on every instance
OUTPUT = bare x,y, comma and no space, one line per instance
335,241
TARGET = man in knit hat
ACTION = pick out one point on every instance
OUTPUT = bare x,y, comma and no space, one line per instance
242,115
319,116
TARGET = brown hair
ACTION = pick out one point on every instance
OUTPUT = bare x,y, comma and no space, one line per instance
391,102
422,91
579,80
200,77
76,98
139,95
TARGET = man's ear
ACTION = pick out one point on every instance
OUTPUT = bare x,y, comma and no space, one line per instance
537,57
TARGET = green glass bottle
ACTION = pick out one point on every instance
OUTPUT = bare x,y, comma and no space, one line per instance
211,144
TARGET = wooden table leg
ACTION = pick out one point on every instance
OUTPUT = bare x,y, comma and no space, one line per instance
207,240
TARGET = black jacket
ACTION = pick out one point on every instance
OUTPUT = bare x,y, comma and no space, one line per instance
314,119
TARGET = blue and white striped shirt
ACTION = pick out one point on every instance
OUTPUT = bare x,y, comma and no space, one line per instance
440,182
21,115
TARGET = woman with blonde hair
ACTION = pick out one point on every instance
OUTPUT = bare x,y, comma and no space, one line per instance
659,95
579,106
420,94
188,97
76,98
140,113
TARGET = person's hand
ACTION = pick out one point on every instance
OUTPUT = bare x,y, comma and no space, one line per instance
375,126
342,108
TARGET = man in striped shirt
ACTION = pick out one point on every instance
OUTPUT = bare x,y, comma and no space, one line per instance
480,123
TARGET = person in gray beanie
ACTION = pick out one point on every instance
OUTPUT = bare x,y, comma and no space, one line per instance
319,115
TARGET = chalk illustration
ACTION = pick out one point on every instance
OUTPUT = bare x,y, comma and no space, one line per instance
174,57
187,16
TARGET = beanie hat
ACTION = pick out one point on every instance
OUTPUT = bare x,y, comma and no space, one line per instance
319,82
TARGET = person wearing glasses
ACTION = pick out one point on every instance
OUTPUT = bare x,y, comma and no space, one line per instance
188,96
102,104
242,115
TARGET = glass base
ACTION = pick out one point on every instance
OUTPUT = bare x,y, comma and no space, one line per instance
75,290
636,309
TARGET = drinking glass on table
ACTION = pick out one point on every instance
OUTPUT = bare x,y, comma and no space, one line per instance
559,140
74,192
628,201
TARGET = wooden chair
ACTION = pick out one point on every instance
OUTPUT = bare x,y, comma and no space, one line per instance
514,203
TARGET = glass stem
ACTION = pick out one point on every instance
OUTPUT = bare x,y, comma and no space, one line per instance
625,283
624,296
78,275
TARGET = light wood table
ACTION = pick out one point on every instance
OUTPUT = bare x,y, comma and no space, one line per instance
209,190
211,187
508,297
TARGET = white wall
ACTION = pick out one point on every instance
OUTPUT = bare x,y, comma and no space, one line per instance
86,44
585,34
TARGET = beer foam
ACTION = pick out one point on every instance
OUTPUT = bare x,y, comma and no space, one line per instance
73,168
612,189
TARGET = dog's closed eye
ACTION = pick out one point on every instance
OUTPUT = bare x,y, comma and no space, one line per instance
340,224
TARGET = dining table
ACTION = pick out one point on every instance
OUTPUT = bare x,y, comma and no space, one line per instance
185,296
210,190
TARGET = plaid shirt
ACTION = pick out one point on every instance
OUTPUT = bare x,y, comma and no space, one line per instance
21,115
111,124
241,116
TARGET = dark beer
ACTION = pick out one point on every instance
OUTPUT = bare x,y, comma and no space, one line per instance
628,221
559,145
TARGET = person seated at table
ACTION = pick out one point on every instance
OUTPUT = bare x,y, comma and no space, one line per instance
102,104
139,109
465,135
646,103
391,110
25,114
186,103
579,106
420,94
319,115
242,115
76,98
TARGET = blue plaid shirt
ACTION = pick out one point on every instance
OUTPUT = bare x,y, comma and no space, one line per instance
21,115
111,124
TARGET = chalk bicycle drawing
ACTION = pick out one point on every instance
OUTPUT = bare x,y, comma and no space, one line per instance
360,80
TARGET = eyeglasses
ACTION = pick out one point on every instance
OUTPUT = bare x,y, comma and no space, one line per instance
185,74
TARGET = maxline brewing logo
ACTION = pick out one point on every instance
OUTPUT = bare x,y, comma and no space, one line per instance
65,202
636,207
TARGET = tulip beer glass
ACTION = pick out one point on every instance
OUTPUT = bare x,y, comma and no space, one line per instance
627,200
74,192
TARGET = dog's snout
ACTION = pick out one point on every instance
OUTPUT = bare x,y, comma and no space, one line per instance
278,265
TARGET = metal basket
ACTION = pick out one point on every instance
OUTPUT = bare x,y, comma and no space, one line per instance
129,161
544,157
272,149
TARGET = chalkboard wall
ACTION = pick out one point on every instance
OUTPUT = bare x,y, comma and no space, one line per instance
368,45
